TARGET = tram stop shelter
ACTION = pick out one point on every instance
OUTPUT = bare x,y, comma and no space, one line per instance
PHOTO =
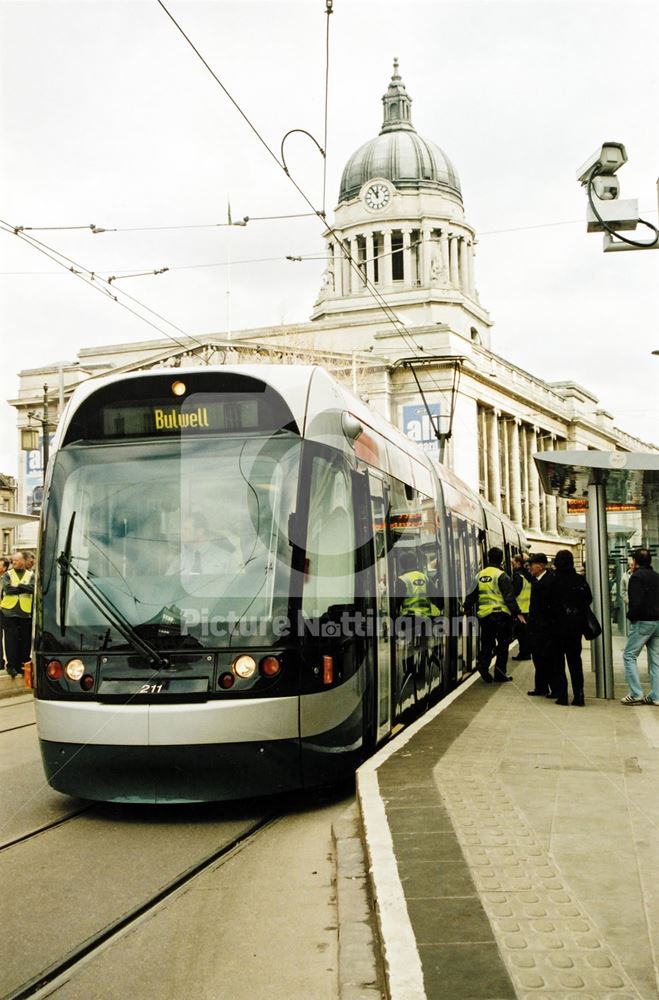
608,482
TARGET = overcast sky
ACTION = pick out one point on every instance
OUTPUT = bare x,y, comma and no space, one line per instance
108,117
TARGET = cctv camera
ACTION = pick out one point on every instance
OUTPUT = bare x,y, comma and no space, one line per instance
610,158
606,187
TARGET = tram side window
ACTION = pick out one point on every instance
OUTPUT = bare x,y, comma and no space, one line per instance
459,554
474,554
330,549
412,523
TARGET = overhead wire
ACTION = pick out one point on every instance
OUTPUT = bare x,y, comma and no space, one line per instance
355,266
391,316
328,11
211,225
96,281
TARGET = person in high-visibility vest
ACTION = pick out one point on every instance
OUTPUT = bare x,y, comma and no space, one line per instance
413,588
496,608
16,610
4,566
522,591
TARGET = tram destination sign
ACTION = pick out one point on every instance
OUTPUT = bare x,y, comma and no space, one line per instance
158,419
207,402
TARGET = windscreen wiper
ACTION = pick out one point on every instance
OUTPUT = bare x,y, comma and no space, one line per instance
64,582
107,608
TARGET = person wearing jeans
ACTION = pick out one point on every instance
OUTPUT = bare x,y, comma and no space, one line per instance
643,615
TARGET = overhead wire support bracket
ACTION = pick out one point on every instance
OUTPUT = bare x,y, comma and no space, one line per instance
303,131
140,274
53,229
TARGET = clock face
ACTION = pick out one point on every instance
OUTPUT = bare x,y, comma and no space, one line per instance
377,196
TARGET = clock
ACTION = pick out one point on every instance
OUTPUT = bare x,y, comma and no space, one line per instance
377,196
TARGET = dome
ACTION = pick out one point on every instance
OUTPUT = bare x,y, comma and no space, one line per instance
399,153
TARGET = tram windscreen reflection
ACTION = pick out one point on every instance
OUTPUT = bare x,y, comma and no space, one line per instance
185,536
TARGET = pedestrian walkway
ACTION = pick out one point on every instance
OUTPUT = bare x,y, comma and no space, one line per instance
10,686
513,847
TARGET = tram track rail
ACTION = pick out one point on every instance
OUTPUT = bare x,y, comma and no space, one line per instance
12,729
13,700
44,828
18,707
52,978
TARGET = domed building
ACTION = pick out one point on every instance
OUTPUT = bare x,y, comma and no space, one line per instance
400,232
399,319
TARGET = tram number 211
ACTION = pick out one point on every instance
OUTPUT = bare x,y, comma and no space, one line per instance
151,688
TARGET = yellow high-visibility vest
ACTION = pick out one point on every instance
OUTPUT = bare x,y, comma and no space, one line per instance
417,601
524,596
24,601
490,598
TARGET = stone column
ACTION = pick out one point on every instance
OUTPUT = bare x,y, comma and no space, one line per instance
541,492
444,251
370,270
505,454
407,259
463,265
469,282
550,501
426,255
534,482
524,449
493,474
337,267
515,473
344,267
355,282
385,262
453,261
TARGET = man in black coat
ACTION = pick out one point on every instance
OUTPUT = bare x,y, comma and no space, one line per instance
574,598
544,630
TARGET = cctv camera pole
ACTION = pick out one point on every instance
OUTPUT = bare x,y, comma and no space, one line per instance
597,563
46,442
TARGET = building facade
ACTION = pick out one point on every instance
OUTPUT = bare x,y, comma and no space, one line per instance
399,319
8,502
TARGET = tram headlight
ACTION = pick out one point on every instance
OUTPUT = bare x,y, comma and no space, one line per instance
244,666
74,670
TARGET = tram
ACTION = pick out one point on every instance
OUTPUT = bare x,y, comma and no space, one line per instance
219,610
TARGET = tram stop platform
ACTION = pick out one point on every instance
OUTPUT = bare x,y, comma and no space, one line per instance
513,846
10,686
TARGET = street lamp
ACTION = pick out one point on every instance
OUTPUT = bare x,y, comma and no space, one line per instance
30,437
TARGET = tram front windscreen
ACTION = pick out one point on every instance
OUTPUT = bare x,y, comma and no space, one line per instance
185,541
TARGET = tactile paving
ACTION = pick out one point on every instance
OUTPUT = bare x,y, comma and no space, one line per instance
551,946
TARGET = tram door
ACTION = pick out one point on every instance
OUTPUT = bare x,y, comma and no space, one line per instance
383,639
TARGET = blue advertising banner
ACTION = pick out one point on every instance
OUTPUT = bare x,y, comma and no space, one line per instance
417,426
34,478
